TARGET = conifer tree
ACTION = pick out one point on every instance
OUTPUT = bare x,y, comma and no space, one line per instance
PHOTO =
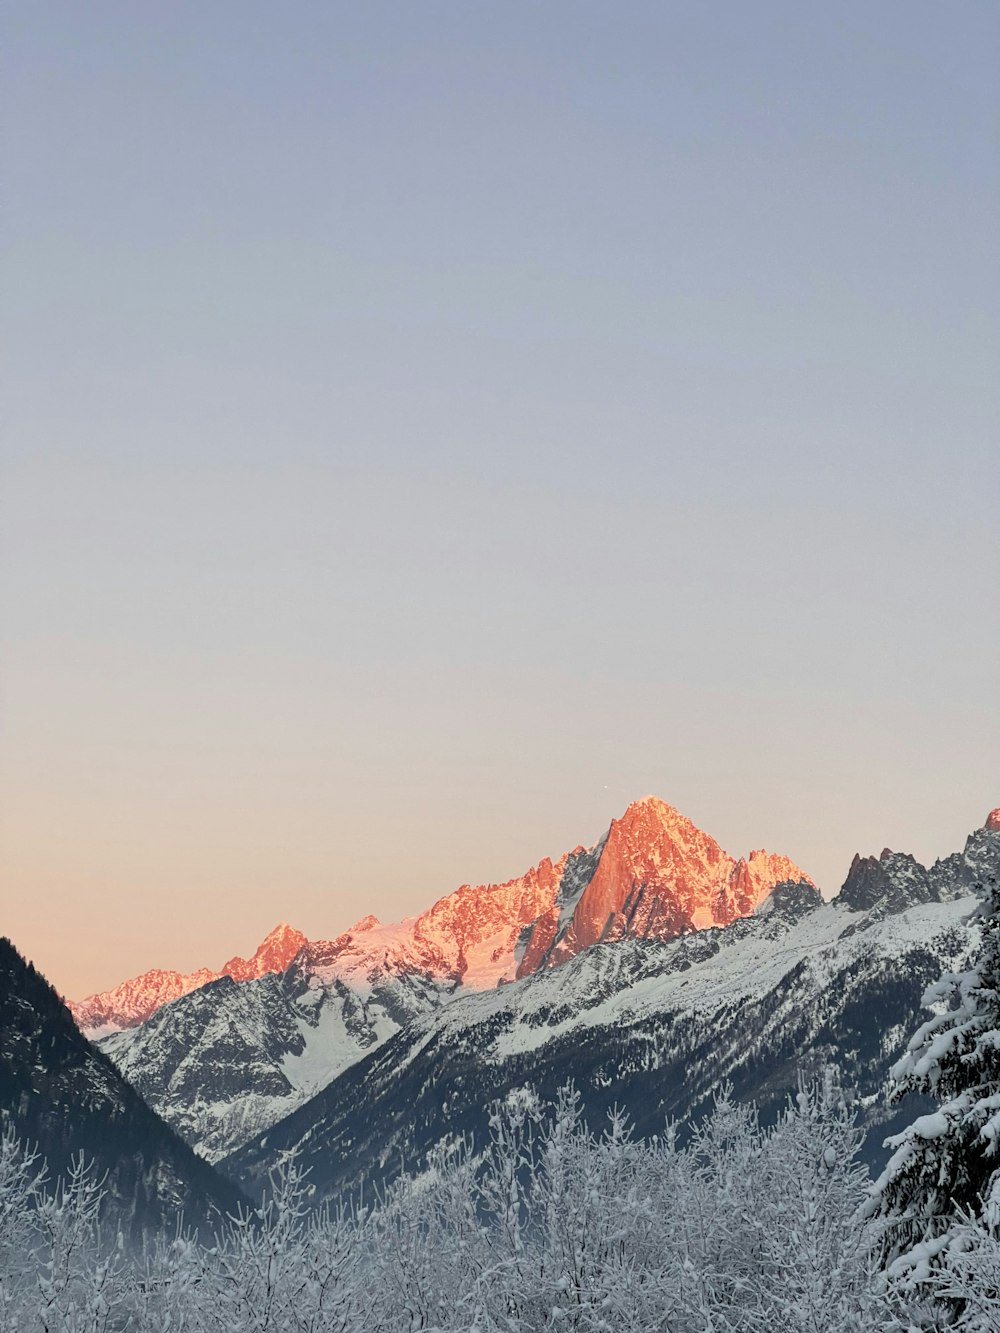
945,1168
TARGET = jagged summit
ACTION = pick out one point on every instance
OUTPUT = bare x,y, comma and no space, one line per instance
368,922
650,815
273,954
656,806
135,1000
230,1061
895,881
654,874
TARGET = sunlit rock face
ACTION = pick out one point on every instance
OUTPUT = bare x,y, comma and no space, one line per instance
656,875
226,1062
654,1026
273,955
993,821
468,937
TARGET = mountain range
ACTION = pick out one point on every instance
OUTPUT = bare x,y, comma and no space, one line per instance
649,968
654,874
657,1026
224,1062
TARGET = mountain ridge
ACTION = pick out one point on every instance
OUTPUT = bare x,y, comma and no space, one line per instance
653,873
134,1001
225,1063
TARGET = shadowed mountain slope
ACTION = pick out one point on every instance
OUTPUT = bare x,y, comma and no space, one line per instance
65,1097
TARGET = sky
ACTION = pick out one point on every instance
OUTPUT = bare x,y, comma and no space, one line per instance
428,427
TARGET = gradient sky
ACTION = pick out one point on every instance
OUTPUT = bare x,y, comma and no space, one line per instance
428,426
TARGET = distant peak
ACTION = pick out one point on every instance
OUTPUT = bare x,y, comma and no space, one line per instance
653,820
274,953
993,821
281,934
658,809
368,922
653,801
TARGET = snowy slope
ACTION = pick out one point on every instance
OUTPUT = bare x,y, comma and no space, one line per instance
233,1052
225,1062
228,1061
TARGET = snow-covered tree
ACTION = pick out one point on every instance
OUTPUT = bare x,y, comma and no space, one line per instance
945,1170
82,1278
21,1181
548,1226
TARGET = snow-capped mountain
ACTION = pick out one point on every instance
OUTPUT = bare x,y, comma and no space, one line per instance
656,1026
64,1097
231,1056
652,874
135,1000
228,1060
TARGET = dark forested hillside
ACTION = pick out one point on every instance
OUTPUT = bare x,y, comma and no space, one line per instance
64,1096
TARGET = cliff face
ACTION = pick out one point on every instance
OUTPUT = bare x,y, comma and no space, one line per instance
656,876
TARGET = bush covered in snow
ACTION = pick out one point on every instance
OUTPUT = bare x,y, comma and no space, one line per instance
550,1227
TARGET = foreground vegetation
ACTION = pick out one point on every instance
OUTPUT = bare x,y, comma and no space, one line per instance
744,1229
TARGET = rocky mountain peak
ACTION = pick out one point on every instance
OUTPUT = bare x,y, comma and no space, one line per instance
273,954
656,875
650,811
368,922
135,1000
280,936
896,881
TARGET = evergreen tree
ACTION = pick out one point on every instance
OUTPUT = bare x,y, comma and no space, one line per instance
945,1170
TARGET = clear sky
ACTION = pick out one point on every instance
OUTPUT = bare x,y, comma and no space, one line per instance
428,426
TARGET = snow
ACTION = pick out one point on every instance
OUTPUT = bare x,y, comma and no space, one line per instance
929,1127
439,974
327,1048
